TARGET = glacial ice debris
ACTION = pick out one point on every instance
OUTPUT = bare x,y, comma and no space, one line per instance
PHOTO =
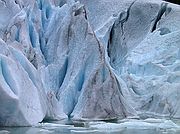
137,124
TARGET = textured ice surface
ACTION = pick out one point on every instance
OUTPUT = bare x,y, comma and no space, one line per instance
88,60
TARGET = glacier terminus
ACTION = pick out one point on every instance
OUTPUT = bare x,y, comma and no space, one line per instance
88,60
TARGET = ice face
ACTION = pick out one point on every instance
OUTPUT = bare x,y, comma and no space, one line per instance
68,59
22,98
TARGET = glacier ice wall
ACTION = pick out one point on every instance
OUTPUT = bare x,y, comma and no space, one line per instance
88,60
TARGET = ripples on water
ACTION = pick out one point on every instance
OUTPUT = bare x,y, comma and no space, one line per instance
150,126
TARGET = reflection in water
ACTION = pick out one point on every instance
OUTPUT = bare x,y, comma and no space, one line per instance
126,127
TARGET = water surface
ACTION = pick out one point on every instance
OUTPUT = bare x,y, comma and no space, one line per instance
119,127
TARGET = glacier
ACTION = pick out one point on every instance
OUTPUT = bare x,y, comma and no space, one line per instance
88,60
